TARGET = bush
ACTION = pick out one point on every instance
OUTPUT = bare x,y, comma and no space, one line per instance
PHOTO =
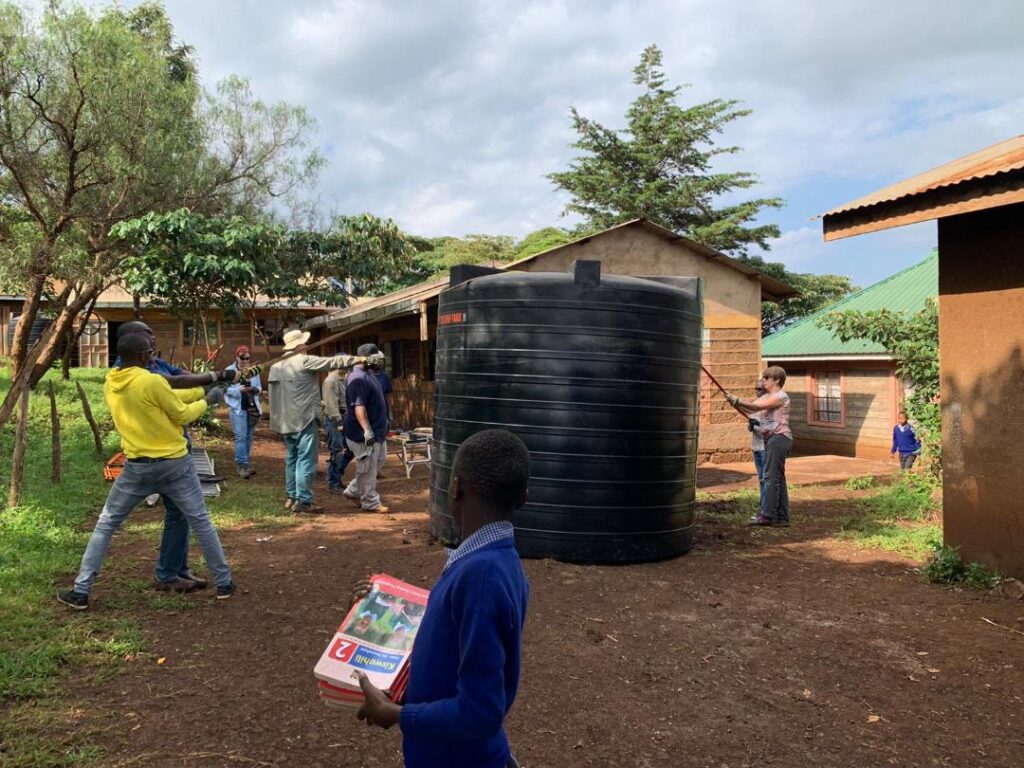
945,566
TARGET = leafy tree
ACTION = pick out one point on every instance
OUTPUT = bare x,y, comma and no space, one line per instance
189,263
543,240
816,292
913,338
435,256
660,168
103,121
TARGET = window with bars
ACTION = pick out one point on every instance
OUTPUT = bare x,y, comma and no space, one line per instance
188,334
827,398
269,332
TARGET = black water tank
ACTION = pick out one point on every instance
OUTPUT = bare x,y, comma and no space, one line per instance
599,375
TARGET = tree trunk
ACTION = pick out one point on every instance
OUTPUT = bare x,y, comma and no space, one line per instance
70,339
87,410
136,307
41,356
29,312
54,436
18,461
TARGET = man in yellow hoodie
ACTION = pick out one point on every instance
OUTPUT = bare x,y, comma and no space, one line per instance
149,418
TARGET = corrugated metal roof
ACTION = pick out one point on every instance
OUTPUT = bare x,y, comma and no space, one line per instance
115,296
905,291
1000,158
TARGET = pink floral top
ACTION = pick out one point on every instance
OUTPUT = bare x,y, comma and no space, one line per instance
776,420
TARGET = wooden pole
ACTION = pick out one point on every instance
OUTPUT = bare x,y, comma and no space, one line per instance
88,417
18,461
54,436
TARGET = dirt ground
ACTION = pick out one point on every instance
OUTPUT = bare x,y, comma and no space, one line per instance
761,647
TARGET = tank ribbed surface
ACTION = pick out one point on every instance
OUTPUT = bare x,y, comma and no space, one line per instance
600,378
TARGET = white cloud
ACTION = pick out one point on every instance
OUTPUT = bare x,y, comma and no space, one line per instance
447,115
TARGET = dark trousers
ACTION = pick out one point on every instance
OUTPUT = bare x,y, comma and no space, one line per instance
775,504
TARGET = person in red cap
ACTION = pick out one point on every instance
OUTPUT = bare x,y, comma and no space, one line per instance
243,401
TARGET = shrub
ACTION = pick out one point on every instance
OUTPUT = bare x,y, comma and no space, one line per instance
945,566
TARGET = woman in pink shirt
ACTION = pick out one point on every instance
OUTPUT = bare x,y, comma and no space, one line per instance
778,442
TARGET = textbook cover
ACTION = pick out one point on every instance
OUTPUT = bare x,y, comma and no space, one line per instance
376,637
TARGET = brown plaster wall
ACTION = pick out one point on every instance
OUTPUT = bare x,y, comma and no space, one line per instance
981,334
731,299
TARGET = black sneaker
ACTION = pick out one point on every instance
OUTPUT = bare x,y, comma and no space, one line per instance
72,599
223,593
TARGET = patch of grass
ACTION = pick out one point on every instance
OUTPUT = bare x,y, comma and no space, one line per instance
861,483
733,507
896,519
909,540
945,566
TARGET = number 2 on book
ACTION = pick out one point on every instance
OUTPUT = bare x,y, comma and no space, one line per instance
343,650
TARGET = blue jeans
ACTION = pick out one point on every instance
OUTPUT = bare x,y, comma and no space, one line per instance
340,454
301,449
243,427
175,480
759,466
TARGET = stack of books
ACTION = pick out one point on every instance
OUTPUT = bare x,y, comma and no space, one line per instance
376,638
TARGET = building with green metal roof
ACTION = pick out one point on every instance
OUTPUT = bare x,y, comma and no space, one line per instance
845,395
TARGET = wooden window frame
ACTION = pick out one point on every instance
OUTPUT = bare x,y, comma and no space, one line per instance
181,332
812,396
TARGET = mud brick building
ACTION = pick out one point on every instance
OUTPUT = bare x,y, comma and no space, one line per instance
978,201
404,323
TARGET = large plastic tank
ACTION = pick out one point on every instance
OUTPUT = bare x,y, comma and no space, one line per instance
599,375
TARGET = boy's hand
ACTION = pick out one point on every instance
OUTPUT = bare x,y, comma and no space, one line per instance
362,589
378,708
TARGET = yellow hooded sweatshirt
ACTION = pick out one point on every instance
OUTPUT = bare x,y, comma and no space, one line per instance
149,414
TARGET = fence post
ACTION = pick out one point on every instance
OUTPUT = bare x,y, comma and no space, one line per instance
18,461
88,417
54,436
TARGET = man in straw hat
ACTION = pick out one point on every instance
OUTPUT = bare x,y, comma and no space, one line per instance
295,414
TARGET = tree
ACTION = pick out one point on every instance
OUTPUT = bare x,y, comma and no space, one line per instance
543,240
189,263
435,256
102,121
913,338
816,292
660,168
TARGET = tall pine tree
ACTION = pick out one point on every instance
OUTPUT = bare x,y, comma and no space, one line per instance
660,168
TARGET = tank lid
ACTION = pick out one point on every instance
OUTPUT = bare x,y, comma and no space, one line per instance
460,273
586,273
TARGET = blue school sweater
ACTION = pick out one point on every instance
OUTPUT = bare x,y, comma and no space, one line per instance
904,440
464,669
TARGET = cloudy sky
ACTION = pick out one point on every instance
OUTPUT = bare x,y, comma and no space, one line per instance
446,115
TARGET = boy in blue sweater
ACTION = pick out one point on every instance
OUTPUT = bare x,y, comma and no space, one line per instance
464,669
905,442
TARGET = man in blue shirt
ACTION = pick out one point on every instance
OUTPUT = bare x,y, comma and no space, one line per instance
464,670
366,428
